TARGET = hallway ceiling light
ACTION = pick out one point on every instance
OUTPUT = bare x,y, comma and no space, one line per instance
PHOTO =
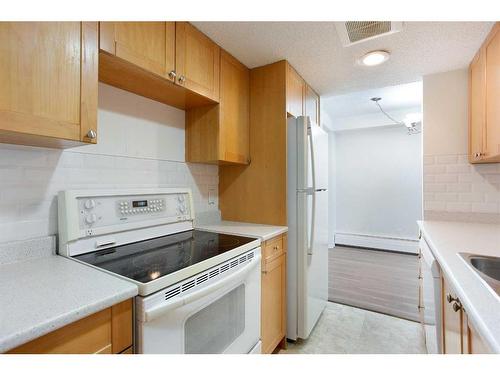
412,119
374,58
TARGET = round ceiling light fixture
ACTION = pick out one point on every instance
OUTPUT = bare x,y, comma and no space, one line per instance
374,58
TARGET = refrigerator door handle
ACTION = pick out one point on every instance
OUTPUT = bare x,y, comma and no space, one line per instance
310,245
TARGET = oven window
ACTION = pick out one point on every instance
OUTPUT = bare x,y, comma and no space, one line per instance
215,327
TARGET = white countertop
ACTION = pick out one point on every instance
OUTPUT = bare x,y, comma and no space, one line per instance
482,304
262,231
40,295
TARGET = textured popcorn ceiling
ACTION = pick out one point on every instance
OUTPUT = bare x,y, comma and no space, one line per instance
314,49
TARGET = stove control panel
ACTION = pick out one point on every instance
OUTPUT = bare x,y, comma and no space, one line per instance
145,206
103,211
96,219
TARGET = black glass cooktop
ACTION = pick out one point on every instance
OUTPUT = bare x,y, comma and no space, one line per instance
147,260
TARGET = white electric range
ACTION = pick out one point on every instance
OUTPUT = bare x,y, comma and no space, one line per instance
199,292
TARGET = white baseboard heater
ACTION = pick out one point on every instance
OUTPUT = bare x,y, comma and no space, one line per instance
405,245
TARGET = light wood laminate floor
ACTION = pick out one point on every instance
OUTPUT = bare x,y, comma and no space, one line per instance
374,280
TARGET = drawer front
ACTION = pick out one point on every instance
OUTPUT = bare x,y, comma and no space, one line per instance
88,335
273,248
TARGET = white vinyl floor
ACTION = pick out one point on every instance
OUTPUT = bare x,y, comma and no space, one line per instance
347,330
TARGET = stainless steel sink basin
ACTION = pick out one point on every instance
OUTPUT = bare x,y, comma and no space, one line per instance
488,268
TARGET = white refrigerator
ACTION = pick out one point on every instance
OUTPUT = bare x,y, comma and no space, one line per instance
307,267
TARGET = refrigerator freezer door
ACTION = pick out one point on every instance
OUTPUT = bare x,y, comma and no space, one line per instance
319,140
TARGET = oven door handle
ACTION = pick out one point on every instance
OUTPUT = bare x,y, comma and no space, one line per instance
157,311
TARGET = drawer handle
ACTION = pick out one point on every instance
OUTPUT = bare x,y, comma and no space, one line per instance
457,306
450,299
276,247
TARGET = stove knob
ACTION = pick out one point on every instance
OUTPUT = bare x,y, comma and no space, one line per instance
90,219
89,204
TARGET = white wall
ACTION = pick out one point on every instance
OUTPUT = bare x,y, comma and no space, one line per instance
379,185
453,188
141,144
332,189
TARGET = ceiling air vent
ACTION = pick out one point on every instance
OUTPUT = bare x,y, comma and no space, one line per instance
352,32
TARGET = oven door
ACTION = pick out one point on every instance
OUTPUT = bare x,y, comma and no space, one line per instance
216,311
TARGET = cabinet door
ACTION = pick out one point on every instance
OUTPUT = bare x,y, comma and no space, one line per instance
197,61
273,303
492,146
311,100
234,128
452,323
295,90
476,345
477,98
150,45
48,80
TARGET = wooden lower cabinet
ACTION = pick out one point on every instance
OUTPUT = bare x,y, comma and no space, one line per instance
459,335
273,289
473,343
106,332
452,321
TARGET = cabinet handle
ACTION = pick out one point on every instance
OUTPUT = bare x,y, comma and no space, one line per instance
451,299
276,247
91,134
172,75
182,79
477,155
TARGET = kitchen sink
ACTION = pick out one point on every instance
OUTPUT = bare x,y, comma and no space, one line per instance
487,267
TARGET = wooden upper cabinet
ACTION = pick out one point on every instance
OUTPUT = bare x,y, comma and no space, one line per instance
150,45
48,83
197,61
295,86
492,141
477,112
484,94
145,58
235,110
311,104
219,133
301,99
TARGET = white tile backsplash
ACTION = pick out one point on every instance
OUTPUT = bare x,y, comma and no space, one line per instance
452,185
30,179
